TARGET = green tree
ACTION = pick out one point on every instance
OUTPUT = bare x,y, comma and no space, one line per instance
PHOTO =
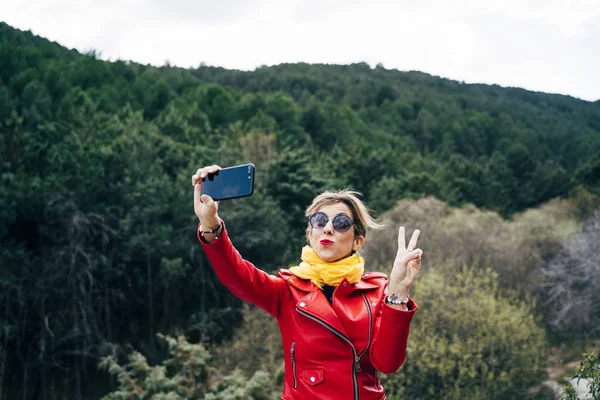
589,174
588,369
293,183
473,342
185,374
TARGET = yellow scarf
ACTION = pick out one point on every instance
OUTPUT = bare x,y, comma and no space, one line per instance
328,273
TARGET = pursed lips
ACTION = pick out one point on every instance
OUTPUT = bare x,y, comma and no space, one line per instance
326,242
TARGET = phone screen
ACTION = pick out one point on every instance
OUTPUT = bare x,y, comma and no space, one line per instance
230,183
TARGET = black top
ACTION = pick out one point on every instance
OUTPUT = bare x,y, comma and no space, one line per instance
328,292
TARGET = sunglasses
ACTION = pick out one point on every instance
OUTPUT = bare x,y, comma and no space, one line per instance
341,222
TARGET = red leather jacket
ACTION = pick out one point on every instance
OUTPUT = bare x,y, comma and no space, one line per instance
332,352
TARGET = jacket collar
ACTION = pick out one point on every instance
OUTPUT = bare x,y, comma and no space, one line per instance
304,285
316,305
346,288
364,285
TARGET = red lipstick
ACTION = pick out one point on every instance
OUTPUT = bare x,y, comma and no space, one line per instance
326,242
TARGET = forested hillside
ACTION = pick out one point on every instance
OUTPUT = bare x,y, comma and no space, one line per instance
98,251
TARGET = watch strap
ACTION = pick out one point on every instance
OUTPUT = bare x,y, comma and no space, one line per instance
394,300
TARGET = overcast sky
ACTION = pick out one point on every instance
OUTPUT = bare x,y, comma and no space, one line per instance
543,45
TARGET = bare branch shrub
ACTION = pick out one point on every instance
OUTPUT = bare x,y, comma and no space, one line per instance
572,282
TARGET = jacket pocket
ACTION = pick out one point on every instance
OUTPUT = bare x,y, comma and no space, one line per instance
312,376
293,356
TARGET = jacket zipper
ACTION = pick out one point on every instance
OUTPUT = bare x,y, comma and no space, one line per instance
370,332
370,326
294,365
356,366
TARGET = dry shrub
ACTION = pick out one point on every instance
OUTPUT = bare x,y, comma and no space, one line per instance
381,246
541,234
255,346
572,283
470,236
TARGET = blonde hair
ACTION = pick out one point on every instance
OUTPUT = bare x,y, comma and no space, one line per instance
361,215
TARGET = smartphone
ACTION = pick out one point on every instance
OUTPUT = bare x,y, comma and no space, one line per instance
230,183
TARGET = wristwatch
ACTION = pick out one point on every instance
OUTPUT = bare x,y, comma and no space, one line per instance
394,300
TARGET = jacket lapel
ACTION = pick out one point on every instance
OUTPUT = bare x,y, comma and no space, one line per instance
316,305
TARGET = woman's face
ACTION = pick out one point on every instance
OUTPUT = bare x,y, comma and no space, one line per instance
329,244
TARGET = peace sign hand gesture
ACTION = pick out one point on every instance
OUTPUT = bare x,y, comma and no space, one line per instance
406,265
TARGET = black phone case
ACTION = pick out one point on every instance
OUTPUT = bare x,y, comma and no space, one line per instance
230,183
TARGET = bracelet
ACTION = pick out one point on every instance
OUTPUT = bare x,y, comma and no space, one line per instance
214,229
393,300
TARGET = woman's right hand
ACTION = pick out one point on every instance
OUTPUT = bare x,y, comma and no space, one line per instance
205,207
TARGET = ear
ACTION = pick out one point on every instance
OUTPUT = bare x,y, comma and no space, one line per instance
358,242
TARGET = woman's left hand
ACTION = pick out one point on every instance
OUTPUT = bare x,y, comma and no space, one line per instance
406,265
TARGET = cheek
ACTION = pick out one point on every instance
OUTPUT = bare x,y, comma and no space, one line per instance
313,238
348,242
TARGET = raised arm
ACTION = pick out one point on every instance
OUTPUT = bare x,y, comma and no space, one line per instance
241,277
392,325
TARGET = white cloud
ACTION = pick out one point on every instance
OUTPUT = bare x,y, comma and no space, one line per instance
543,45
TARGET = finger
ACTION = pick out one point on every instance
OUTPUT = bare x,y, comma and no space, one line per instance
401,239
204,172
196,179
213,168
196,176
413,240
197,202
416,262
411,273
414,266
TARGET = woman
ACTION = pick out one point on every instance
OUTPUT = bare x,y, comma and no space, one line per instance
339,325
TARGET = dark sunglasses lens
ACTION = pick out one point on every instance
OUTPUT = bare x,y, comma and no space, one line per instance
318,220
342,223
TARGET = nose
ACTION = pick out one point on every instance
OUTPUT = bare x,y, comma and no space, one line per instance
328,229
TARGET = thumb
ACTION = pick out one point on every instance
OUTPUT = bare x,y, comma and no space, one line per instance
413,255
416,253
208,201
